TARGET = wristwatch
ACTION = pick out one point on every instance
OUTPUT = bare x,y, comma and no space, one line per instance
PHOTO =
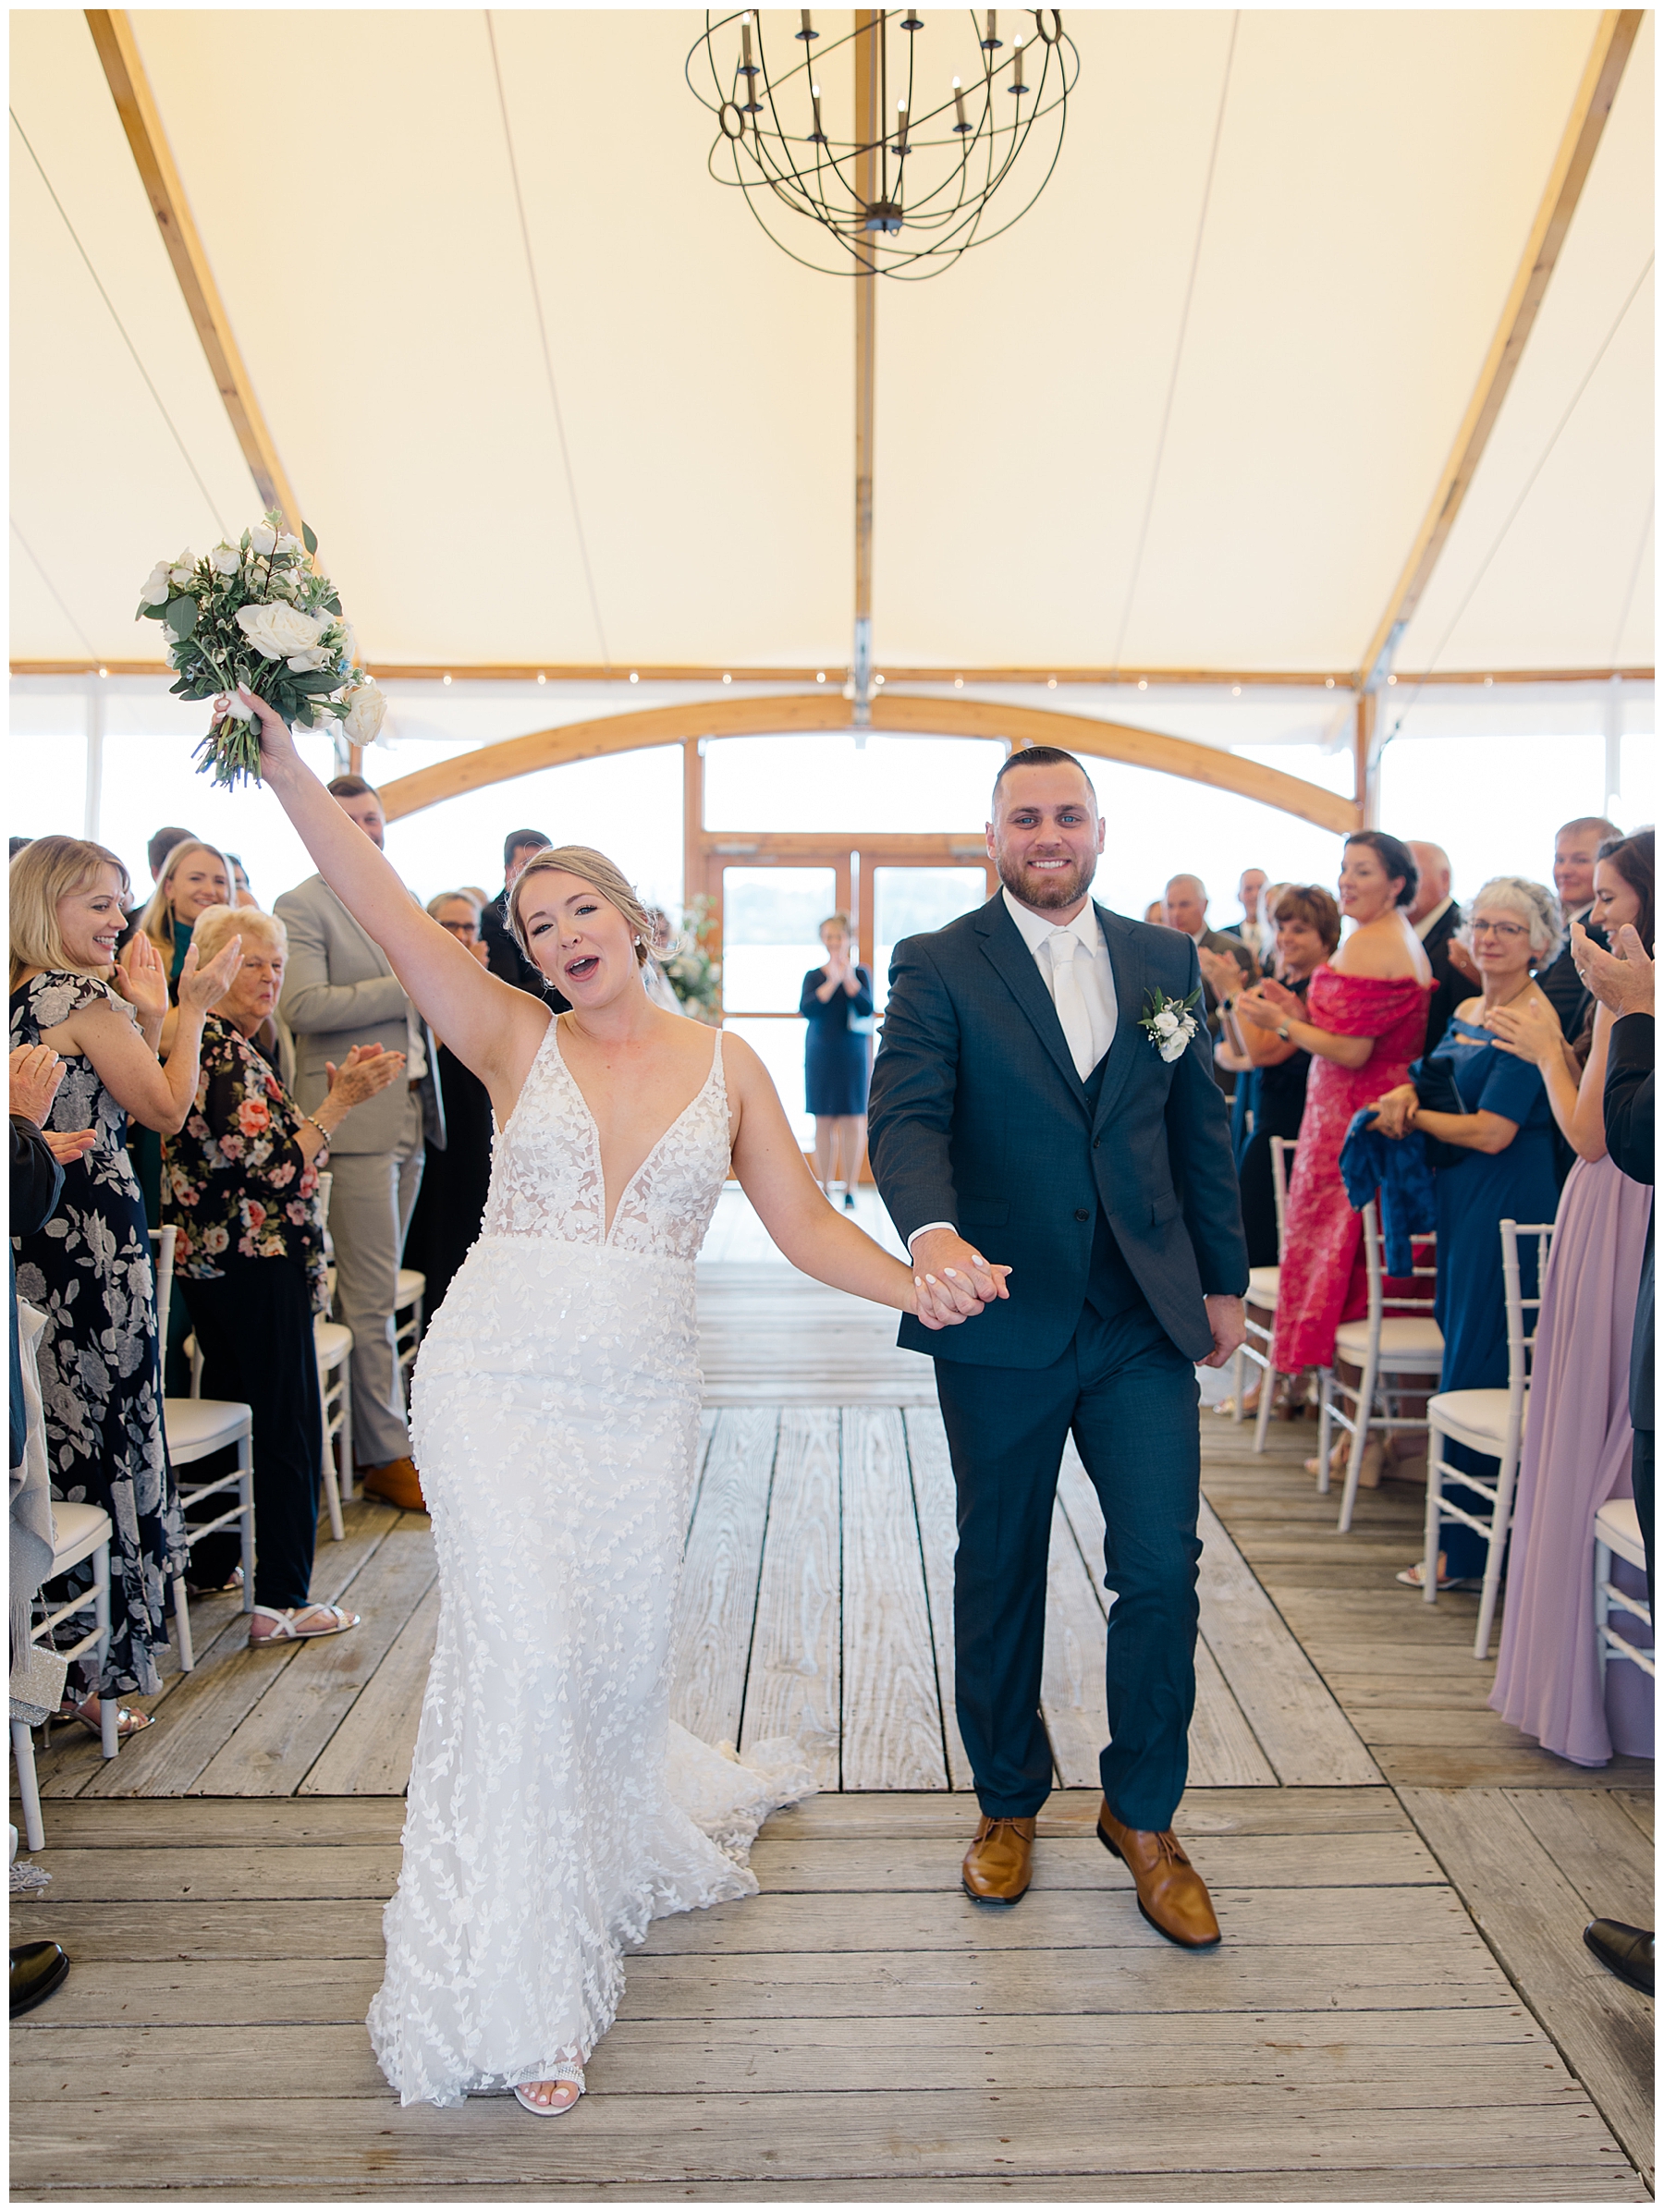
1282,1031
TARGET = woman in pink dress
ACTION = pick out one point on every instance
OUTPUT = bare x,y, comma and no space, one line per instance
1576,1451
1365,1016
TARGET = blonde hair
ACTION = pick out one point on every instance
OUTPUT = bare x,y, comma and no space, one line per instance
1534,903
593,868
215,925
47,869
157,919
835,922
444,898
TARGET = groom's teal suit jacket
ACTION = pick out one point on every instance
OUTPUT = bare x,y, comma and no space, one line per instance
978,1118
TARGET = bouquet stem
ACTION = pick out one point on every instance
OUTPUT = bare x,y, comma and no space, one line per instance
232,750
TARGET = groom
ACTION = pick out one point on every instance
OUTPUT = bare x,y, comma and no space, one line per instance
1020,1105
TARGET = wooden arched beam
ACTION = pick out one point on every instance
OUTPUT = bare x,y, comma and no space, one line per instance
800,711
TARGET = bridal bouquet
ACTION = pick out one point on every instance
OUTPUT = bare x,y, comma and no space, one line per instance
259,613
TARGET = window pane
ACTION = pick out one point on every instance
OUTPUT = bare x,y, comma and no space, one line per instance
915,786
779,1045
771,919
907,901
46,786
1493,802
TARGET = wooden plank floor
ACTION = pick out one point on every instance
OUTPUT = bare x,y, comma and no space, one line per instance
859,2030
1402,2010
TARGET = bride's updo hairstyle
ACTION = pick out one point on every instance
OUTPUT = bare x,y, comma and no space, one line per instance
594,869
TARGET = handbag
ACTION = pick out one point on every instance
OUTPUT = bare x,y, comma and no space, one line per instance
1435,1082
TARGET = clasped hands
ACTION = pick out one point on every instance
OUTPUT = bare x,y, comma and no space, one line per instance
951,1279
1268,1004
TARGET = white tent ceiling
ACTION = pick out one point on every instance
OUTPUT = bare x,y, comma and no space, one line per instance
1376,177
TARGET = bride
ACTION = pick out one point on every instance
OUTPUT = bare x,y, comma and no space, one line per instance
554,1808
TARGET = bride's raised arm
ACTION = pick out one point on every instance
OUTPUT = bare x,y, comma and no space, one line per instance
491,1028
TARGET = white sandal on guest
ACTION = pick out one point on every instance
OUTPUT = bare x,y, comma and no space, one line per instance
558,2082
284,1632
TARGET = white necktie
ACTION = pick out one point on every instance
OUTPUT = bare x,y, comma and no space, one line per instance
1069,999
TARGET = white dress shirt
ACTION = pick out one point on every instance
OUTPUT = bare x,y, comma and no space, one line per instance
1427,921
1092,972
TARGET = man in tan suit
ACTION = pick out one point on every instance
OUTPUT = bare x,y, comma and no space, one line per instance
339,990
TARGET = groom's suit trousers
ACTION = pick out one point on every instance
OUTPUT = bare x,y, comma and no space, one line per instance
1129,1396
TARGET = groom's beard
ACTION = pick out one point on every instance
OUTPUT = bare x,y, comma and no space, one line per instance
1047,888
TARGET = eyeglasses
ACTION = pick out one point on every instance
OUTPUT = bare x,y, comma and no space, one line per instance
467,930
1498,929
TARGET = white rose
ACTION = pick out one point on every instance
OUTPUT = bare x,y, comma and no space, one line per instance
366,709
1166,1022
263,537
304,663
158,589
225,559
288,545
275,632
1174,1049
184,568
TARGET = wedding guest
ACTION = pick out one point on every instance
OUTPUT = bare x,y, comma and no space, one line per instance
1435,919
836,1002
18,844
240,1188
1274,1069
1578,1439
658,984
506,959
242,893
1184,908
101,1380
455,1179
339,991
1576,846
159,844
1505,1169
1155,912
1365,1015
193,877
1251,928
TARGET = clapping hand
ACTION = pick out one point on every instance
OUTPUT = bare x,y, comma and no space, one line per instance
203,984
1529,1029
1219,971
951,1279
140,980
1622,978
366,1070
1268,1005
36,1074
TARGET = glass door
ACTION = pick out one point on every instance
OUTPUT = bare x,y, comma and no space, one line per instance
908,901
771,919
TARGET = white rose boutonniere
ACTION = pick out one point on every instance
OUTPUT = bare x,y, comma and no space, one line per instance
1171,1023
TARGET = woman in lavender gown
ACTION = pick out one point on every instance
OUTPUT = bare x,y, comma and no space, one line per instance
1577,1449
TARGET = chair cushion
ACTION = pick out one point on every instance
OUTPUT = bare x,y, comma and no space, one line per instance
413,1283
1262,1286
1406,1342
197,1425
1476,1418
1618,1525
77,1530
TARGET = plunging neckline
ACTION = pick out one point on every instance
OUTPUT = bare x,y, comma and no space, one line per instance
610,1221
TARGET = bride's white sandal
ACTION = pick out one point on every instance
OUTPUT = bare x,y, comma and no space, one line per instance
284,1618
552,2087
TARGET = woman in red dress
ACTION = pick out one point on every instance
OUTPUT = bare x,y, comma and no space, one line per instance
1364,1020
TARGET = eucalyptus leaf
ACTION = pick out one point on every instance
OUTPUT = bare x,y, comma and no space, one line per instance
309,537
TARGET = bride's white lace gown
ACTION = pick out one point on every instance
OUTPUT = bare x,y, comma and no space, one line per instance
554,1808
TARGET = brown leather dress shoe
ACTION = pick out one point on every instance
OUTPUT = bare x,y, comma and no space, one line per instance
997,1869
397,1483
1171,1895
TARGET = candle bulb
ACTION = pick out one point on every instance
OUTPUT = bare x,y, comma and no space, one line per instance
992,42
1017,86
900,130
817,137
747,67
959,101
808,31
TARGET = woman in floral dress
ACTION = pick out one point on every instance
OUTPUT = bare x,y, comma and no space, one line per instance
88,1270
239,1184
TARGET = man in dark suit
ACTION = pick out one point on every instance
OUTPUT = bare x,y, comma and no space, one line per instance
1577,849
503,956
1185,907
1019,1099
1623,981
1435,917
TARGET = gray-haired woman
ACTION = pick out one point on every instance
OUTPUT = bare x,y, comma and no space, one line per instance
1506,1166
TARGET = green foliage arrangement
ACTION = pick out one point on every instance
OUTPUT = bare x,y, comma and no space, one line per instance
260,613
694,976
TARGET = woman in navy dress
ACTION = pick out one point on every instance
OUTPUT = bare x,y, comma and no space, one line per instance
1507,1170
837,1059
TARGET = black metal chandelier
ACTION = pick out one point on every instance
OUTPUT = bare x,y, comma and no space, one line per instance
942,123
